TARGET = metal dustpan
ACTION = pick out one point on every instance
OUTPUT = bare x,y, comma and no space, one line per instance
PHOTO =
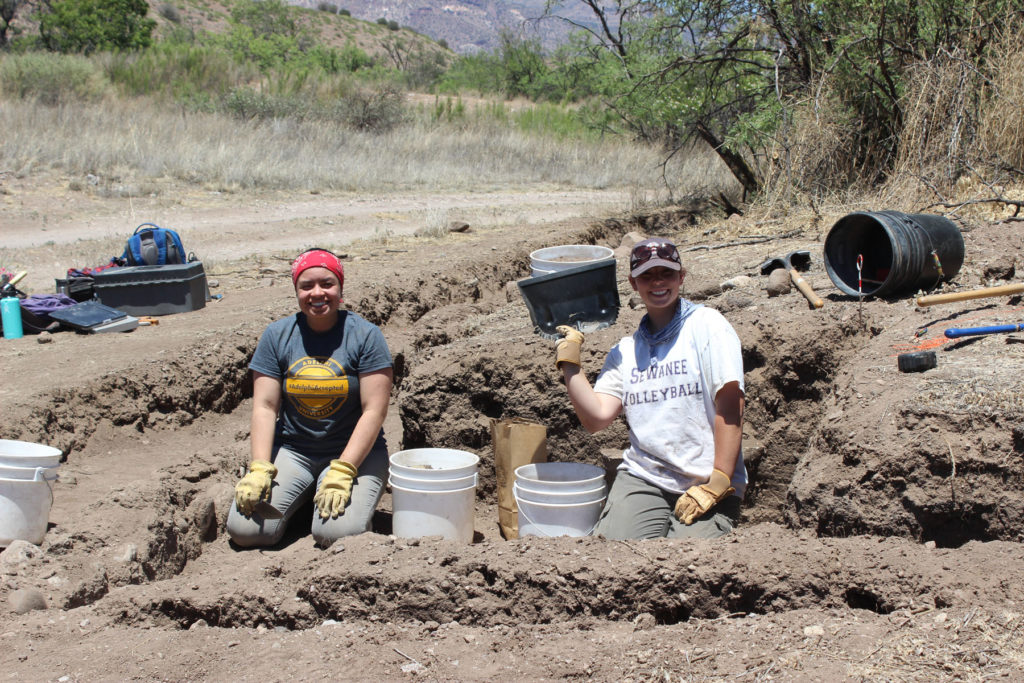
586,298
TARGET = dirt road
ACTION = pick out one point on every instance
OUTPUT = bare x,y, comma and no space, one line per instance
881,536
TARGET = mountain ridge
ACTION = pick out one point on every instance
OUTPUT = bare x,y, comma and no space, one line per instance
469,26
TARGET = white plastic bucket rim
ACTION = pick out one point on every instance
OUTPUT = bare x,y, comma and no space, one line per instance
558,497
24,509
550,519
28,454
420,484
565,256
434,463
448,514
560,476
27,473
403,488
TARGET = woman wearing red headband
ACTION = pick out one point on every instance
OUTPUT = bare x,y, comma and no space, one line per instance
321,383
679,381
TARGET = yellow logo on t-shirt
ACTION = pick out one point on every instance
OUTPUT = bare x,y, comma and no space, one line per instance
317,387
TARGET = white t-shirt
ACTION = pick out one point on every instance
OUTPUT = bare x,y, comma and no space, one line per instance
670,403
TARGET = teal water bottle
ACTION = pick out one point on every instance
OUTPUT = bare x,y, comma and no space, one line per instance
10,308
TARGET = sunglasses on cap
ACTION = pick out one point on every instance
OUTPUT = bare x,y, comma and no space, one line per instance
642,253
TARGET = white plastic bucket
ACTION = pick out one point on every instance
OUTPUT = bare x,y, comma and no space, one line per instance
419,484
27,473
559,497
555,477
553,259
448,514
25,508
27,454
434,463
549,519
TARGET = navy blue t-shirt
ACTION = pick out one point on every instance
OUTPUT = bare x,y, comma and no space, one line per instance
319,375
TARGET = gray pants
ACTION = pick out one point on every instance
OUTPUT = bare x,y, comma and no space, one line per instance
297,481
637,509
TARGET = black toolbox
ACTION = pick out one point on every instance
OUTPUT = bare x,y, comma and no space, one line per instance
153,290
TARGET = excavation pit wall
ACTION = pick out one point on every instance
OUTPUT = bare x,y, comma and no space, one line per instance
811,467
544,581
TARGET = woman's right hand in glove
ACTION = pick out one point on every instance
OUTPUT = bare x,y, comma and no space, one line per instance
254,486
568,349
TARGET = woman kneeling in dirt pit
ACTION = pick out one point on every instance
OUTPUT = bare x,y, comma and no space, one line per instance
679,380
321,382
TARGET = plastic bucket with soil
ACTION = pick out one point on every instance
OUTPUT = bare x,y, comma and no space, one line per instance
432,493
563,257
434,463
446,513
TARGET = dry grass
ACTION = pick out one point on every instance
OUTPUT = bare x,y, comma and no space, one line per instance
963,139
961,150
136,144
977,647
810,155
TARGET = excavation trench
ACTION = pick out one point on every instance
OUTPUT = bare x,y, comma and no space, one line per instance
465,354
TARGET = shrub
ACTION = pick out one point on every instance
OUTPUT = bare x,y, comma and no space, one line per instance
88,26
327,7
247,104
393,25
51,79
374,110
344,13
170,13
180,70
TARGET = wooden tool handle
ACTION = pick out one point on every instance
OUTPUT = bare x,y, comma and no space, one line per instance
805,289
17,278
973,294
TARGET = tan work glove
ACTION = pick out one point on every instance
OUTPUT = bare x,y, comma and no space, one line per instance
336,489
254,486
699,499
568,349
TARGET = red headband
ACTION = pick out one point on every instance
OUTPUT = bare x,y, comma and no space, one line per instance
317,258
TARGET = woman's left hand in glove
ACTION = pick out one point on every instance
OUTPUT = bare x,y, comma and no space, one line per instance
697,500
336,489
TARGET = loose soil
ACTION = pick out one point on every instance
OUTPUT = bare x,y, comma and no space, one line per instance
881,535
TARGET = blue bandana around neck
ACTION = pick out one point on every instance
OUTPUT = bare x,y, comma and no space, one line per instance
649,352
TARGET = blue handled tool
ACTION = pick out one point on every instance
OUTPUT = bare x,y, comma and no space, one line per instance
955,332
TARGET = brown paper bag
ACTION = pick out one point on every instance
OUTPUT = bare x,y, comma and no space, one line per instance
516,443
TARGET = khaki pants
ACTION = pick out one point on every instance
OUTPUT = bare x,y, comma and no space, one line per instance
638,509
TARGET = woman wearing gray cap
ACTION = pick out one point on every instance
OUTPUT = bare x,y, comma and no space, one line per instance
679,381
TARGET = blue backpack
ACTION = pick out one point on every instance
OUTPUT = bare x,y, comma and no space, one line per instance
152,245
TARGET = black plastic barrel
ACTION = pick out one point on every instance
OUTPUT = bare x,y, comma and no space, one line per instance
902,252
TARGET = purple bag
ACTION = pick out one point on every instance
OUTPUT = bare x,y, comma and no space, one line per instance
36,310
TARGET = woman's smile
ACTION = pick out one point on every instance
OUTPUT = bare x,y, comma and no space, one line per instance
319,293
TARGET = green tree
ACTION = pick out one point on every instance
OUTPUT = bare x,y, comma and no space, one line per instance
85,26
8,8
266,17
729,72
522,66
